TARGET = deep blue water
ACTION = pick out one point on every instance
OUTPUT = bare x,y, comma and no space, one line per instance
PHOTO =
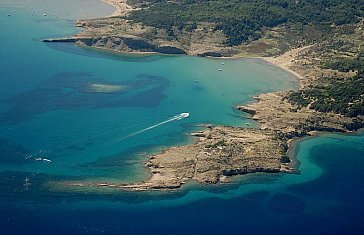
325,198
48,109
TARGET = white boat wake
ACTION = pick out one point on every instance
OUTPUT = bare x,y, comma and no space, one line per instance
175,118
43,159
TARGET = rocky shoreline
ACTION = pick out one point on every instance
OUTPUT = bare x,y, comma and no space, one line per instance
220,151
117,34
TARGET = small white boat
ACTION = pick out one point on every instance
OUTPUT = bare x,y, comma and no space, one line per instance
185,115
220,69
44,14
43,159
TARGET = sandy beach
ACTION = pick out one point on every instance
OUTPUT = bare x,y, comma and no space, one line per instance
122,8
287,60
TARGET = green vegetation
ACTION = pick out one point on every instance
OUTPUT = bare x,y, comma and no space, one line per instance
303,22
344,96
242,21
346,64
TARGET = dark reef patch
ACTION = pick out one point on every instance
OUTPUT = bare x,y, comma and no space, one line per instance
67,91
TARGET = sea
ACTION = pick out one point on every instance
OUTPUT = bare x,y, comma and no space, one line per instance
69,113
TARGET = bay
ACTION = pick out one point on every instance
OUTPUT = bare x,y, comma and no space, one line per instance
77,107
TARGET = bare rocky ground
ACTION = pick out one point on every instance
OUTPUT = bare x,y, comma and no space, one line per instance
220,152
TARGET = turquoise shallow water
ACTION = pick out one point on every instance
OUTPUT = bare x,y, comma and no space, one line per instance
59,9
47,110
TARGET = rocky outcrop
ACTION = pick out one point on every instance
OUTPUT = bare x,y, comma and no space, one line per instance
120,44
246,109
273,112
60,40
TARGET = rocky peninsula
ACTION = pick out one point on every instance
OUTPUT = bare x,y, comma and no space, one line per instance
222,151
